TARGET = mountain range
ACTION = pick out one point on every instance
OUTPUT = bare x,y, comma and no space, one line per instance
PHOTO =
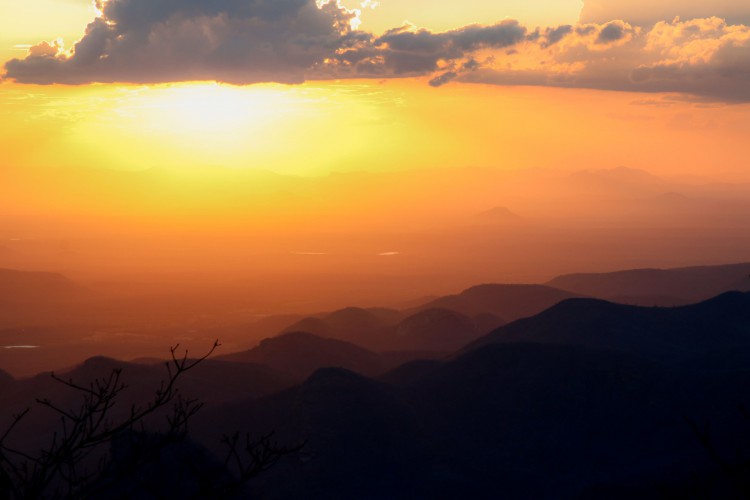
598,410
585,399
658,286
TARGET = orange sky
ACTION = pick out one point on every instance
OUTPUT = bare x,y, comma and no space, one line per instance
128,148
375,123
324,127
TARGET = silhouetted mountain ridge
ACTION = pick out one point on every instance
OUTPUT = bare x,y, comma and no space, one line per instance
507,301
587,394
353,324
496,420
299,354
439,329
6,379
659,286
665,334
211,381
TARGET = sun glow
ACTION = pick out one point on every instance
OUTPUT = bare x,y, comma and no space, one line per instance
214,108
199,123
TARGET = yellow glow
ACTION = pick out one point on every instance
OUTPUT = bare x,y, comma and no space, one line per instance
203,123
324,127
303,130
212,108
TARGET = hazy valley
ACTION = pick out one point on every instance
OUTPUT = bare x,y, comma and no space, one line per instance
497,384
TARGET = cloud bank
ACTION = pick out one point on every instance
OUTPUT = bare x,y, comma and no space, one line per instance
409,51
289,41
707,58
236,41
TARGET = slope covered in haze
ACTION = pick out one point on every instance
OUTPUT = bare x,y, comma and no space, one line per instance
615,182
30,298
441,325
365,327
508,302
299,354
24,287
437,329
658,286
427,241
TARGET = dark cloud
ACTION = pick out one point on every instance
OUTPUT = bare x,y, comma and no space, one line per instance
585,30
405,51
706,58
471,65
238,41
45,49
250,41
612,32
444,78
554,35
725,77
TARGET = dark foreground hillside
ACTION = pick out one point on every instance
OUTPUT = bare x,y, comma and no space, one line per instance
525,413
588,399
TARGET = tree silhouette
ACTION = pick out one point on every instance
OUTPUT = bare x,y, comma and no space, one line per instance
95,454
736,470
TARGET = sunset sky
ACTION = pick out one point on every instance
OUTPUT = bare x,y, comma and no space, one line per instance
137,108
433,249
387,96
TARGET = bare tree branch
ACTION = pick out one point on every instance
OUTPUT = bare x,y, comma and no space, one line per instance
89,427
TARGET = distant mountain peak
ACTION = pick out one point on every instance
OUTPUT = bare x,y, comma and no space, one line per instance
300,353
101,362
5,378
673,195
501,287
631,173
36,286
353,315
437,328
620,177
506,301
298,337
498,215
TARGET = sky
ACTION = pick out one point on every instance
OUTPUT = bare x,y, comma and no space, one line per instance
132,108
301,91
